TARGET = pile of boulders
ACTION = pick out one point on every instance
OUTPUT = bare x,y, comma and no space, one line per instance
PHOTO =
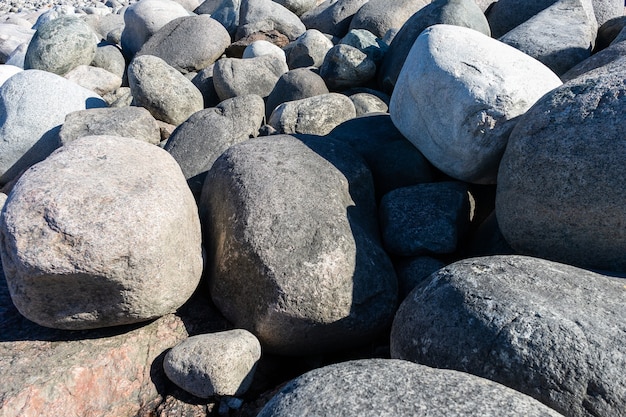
205,200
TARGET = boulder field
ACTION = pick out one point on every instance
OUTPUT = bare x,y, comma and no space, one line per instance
313,207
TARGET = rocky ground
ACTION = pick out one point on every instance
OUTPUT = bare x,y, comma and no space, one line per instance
298,207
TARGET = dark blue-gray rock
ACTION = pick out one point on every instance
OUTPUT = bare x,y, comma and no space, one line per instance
345,66
33,105
165,92
600,59
268,15
450,12
203,81
425,219
366,103
64,261
295,85
308,50
379,16
131,122
332,16
479,88
214,364
505,15
608,32
61,45
224,11
237,77
393,160
413,271
188,44
294,252
96,79
366,42
549,330
488,240
560,36
391,388
110,58
316,115
556,195
202,138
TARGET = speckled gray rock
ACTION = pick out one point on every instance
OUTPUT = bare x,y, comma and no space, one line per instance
332,16
606,10
560,36
294,85
294,253
33,113
390,388
599,59
552,331
188,43
479,86
110,58
165,92
365,103
237,77
262,47
203,81
98,80
61,45
366,42
308,50
202,138
298,7
316,115
424,219
224,11
214,364
450,12
345,66
7,71
379,16
413,271
130,122
103,232
505,15
556,194
268,15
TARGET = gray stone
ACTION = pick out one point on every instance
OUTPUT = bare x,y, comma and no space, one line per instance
308,50
204,82
391,388
224,11
425,219
549,330
98,80
379,16
608,32
366,42
560,36
130,122
294,252
202,138
17,56
144,18
110,58
263,47
294,85
479,88
365,103
33,111
345,66
104,232
214,364
237,77
450,12
122,97
605,10
332,16
12,36
505,15
188,43
599,59
269,15
165,92
7,71
316,115
413,271
298,7
556,195
111,25
61,45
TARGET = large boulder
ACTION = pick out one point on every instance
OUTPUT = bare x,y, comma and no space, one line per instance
390,388
332,16
268,15
379,16
549,330
237,77
557,185
33,105
505,15
345,66
458,98
104,232
295,85
294,253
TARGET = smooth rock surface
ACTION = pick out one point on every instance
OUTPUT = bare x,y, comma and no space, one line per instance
11,37
505,15
332,16
294,85
98,80
379,16
308,50
224,11
237,77
345,66
269,15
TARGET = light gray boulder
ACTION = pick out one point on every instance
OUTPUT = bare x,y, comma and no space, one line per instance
17,56
390,388
479,88
379,16
98,80
345,66
549,330
7,71
308,50
268,15
463,13
224,11
505,15
104,232
165,92
237,77
214,364
316,115
294,252
560,36
262,47
556,194
131,122
294,85
11,37
298,7
605,10
189,44
33,111
61,45
110,58
366,42
365,103
332,16
144,18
